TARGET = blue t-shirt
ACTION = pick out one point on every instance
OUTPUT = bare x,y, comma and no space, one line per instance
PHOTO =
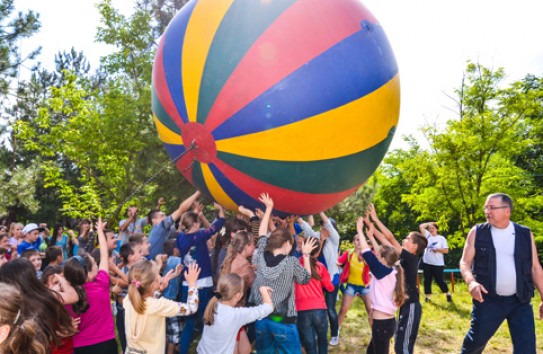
23,246
173,287
158,235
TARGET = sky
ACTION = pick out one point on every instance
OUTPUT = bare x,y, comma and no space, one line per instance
432,40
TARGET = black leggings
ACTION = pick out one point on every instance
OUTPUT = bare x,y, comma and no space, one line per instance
435,272
382,332
107,347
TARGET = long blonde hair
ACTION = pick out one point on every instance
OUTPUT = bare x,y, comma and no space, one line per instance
140,279
228,286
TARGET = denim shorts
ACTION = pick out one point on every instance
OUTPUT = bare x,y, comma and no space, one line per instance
352,290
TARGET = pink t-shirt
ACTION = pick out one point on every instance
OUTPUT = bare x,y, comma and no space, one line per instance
97,323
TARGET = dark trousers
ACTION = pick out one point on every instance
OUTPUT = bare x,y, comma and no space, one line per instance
204,295
435,272
331,299
408,328
313,329
119,322
382,332
487,316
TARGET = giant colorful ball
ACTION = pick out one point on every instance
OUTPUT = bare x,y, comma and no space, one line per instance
296,98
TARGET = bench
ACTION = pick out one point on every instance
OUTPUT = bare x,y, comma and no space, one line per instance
451,271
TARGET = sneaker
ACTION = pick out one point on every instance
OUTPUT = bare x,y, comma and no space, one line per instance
334,340
449,298
427,300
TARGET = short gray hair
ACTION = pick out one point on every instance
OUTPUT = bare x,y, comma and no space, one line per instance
504,198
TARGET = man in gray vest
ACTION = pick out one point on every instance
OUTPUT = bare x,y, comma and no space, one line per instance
500,267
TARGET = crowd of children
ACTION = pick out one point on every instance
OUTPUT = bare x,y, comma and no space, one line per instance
252,282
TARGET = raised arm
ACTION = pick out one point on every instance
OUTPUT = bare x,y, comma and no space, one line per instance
370,233
159,203
268,202
198,208
131,218
185,205
220,210
307,228
360,232
424,227
290,223
387,234
327,223
311,220
307,247
253,219
376,233
102,242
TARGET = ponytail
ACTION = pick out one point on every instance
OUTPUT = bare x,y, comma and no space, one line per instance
392,257
26,337
82,305
76,271
211,310
399,290
229,285
140,278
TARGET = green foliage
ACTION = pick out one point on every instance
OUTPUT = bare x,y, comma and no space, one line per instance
93,134
13,27
393,183
18,189
346,212
475,155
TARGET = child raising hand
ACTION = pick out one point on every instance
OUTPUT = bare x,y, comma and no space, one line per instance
146,315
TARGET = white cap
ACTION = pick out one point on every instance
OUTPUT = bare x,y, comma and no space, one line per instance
31,227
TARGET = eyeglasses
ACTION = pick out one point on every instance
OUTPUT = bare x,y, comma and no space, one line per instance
492,208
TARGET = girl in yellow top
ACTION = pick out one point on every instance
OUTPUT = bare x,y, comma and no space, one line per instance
356,275
145,316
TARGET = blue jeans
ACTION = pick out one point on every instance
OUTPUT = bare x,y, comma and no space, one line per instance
487,316
204,295
331,299
273,337
313,324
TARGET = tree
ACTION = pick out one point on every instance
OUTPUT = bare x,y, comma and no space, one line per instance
474,156
94,134
392,184
12,29
346,212
18,190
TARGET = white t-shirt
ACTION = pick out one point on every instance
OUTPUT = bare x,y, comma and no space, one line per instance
504,243
220,338
434,242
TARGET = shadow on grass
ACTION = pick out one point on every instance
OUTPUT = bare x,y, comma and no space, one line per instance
462,311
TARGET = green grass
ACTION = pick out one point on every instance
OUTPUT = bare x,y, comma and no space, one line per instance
442,330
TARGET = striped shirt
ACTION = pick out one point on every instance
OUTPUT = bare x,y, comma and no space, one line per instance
280,278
